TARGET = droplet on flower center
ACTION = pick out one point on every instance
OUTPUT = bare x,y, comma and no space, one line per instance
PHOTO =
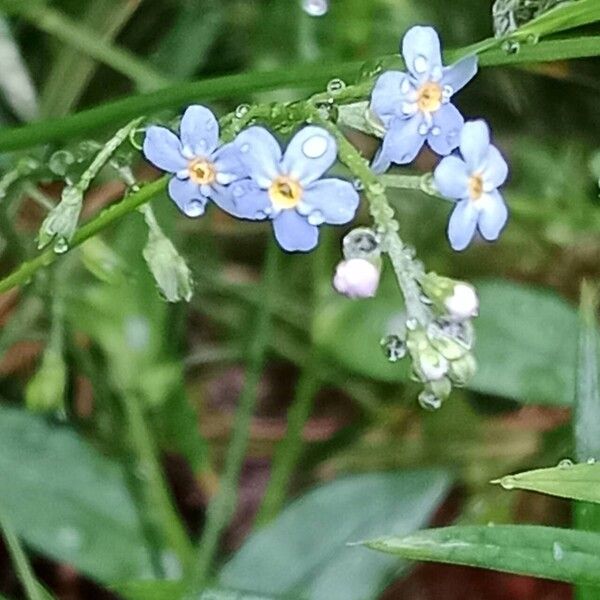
285,192
430,97
201,171
475,187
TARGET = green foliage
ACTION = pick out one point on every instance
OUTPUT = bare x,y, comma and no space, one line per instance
302,551
547,552
68,501
540,367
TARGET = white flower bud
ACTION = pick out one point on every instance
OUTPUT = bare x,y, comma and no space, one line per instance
356,278
463,304
433,366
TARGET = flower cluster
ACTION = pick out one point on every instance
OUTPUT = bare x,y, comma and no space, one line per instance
415,108
251,178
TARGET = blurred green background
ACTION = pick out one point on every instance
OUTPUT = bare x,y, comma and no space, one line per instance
114,401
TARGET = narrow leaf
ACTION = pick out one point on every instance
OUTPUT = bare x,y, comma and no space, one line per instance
563,17
547,552
567,480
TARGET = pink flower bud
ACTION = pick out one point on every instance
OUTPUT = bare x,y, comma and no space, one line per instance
356,278
463,303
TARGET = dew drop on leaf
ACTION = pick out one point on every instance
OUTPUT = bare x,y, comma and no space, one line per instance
315,8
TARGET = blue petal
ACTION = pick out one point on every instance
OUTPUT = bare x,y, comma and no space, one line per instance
186,194
387,96
495,171
293,232
461,226
199,131
474,144
422,54
228,165
163,149
449,122
309,154
452,178
492,216
401,143
260,154
244,199
459,74
329,201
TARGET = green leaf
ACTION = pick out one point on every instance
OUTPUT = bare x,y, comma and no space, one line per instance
67,501
303,550
567,480
175,590
519,355
547,552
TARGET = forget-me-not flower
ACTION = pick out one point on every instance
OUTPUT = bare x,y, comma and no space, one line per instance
415,107
289,187
473,181
202,170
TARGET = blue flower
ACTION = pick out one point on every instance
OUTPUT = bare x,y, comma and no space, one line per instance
202,170
289,189
473,181
415,107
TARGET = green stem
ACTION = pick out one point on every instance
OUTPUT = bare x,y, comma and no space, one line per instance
313,76
33,590
159,502
85,40
106,218
383,216
289,449
224,504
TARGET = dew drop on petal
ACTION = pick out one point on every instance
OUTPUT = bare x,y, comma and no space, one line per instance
315,146
245,148
316,218
423,129
195,208
315,8
421,64
238,191
436,131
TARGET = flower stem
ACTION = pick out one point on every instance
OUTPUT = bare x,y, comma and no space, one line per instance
107,217
224,503
158,500
383,216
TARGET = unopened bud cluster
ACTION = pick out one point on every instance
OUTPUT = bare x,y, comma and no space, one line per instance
440,350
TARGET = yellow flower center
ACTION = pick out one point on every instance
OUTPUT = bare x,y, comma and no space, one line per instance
201,171
430,97
475,187
285,192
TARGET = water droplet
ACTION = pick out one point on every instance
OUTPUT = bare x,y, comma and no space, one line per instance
315,8
508,483
421,64
429,401
359,186
242,110
436,131
557,551
423,129
565,463
412,324
335,86
315,146
171,564
137,332
245,148
361,243
61,245
194,208
316,218
394,347
60,161
591,461
511,46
